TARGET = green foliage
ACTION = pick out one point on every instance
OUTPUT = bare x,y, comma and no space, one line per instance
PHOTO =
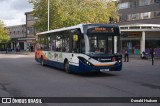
4,38
65,13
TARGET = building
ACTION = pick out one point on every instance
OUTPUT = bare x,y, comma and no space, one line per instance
30,29
139,11
17,34
140,25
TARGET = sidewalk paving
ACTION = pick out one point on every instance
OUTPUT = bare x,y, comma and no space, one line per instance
21,52
141,64
137,61
131,57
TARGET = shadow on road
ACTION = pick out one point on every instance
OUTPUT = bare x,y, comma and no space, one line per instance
98,74
88,75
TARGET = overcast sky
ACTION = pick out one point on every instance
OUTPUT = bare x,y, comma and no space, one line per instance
12,11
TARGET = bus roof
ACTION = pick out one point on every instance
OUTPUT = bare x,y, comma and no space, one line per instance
73,27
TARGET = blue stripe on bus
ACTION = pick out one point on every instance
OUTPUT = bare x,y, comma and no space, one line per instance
82,68
52,63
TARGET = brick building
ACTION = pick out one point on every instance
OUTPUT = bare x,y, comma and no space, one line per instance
30,29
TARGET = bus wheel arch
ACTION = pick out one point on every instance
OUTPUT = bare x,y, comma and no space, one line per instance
66,66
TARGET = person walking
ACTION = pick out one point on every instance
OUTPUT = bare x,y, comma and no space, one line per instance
126,55
152,55
6,49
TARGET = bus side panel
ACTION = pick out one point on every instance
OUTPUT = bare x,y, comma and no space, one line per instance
56,59
55,64
82,68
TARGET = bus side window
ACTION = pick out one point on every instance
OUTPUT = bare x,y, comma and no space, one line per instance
66,45
75,46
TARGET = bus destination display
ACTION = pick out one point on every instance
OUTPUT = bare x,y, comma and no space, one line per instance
101,30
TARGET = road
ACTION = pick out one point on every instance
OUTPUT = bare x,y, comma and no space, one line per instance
21,76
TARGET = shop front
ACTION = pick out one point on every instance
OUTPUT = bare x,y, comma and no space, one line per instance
132,42
141,38
17,45
28,44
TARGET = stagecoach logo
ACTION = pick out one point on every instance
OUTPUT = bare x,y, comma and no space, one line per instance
99,59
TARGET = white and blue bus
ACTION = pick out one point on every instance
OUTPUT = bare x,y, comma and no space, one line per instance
81,48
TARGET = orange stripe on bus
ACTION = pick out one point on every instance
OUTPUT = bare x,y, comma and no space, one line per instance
40,53
103,64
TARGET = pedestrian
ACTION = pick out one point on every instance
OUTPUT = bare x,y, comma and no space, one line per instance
6,49
144,55
152,55
126,55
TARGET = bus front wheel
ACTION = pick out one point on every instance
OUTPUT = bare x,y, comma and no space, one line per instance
66,66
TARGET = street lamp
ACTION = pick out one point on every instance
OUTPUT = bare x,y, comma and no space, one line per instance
48,15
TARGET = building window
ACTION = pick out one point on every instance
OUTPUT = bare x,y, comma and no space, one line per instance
144,2
157,1
133,4
134,16
123,5
123,17
30,17
157,13
30,30
146,15
152,43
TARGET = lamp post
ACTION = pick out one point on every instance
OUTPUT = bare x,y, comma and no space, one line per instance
48,15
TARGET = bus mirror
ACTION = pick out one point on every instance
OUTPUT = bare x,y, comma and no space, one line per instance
75,38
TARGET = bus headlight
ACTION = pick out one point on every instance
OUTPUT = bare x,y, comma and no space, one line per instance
85,61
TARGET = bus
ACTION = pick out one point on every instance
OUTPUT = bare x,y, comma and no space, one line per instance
81,48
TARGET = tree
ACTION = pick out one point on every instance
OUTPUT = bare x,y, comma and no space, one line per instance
4,38
65,13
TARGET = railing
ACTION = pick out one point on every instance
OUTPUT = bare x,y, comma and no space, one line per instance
156,50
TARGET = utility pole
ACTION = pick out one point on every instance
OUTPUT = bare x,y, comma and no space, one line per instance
48,15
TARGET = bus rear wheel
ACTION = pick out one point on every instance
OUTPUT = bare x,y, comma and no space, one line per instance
66,66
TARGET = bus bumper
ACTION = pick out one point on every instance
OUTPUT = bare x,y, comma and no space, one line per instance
84,68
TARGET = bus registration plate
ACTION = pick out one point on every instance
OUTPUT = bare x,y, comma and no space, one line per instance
104,70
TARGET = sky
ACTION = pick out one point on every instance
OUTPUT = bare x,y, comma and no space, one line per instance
12,12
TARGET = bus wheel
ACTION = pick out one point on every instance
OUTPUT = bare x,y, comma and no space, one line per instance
42,61
66,66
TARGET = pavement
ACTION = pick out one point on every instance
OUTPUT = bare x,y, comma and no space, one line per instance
21,52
